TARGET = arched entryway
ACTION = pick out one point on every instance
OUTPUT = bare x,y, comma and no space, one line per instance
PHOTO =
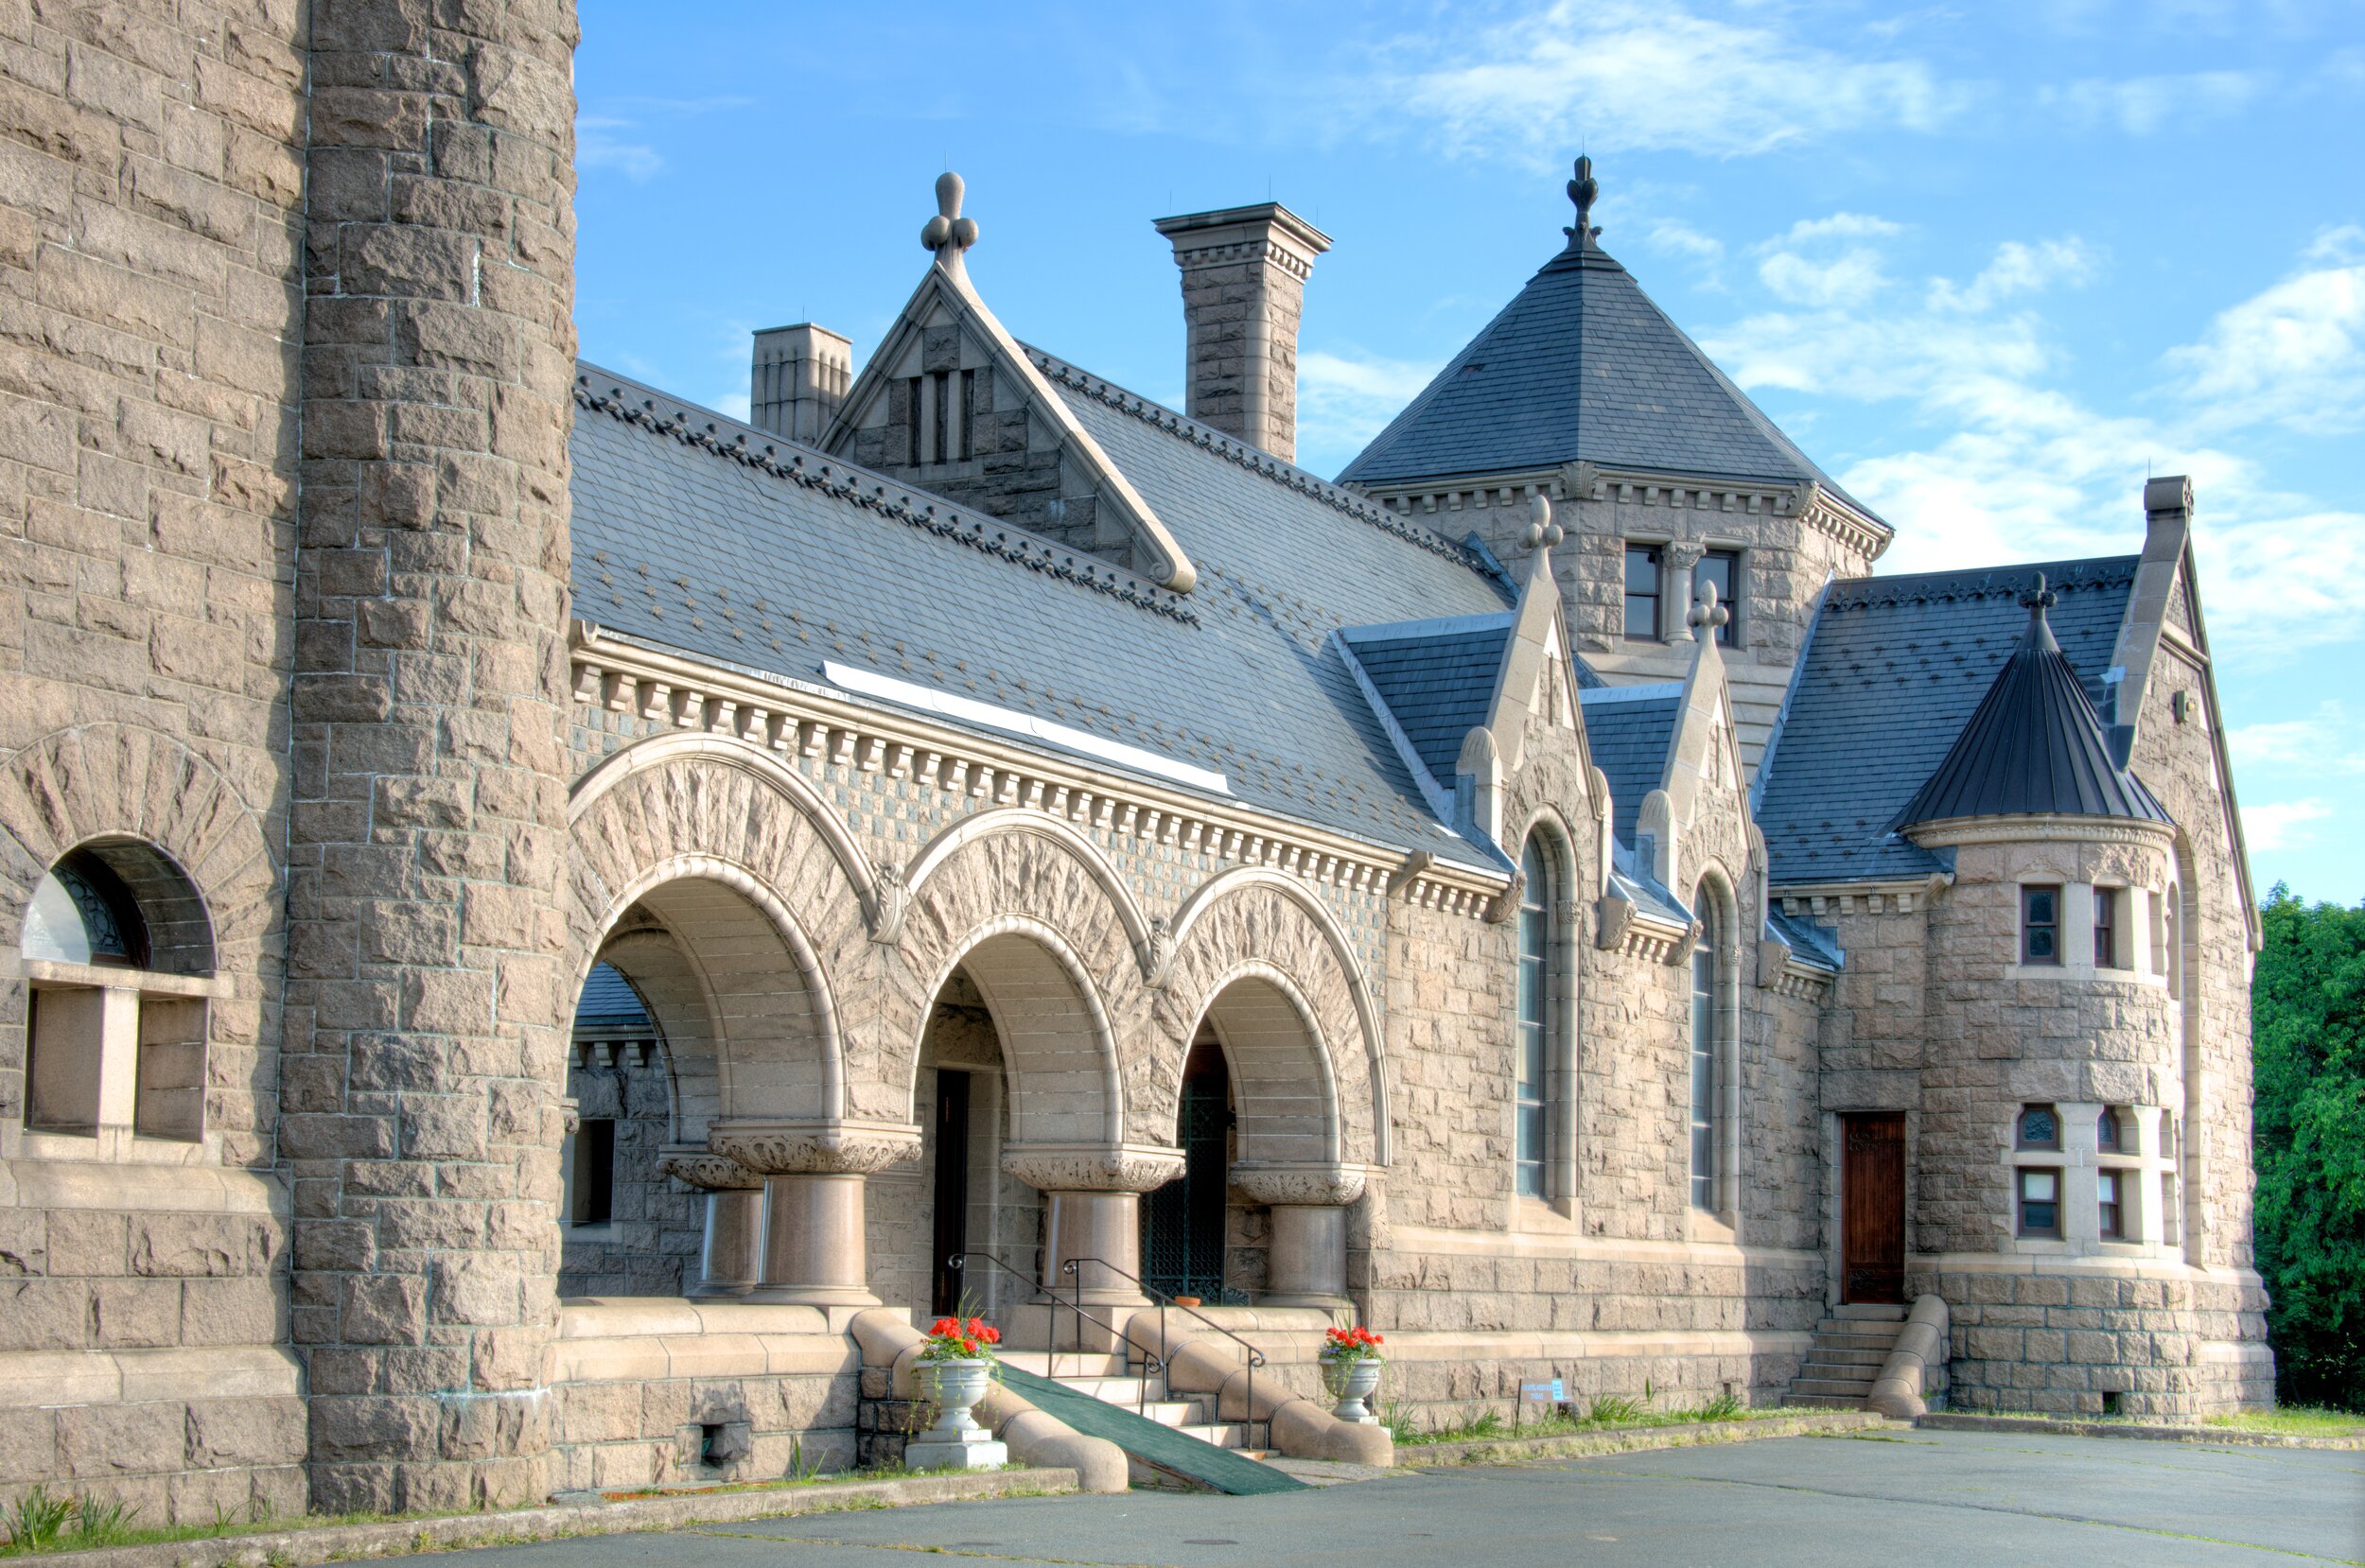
702,1020
1187,1224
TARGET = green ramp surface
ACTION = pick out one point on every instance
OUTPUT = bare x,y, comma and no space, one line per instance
1150,1442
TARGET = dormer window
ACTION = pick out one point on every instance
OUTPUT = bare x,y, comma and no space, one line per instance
1721,567
1643,591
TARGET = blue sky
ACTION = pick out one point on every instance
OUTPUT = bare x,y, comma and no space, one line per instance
1990,264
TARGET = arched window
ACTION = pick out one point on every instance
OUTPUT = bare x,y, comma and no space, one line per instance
1537,943
1707,1004
82,914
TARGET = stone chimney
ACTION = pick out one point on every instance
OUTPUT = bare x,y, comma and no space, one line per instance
1244,272
800,377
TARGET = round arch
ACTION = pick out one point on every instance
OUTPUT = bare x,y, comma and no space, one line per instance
1018,819
1283,1092
1256,913
1059,1049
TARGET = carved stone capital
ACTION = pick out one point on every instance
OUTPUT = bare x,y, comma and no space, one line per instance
708,1170
815,1148
1311,1186
1093,1167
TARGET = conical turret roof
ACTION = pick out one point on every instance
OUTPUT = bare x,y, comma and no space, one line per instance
2034,747
1582,366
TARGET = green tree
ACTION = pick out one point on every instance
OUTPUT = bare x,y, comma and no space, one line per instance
2307,1012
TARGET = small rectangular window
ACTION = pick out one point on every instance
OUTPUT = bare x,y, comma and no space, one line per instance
2107,1183
1721,567
1643,590
2041,925
968,412
943,410
911,390
2106,902
2040,1203
594,1189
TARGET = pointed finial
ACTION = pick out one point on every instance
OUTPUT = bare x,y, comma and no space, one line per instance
2038,599
1542,533
1706,611
1582,190
949,233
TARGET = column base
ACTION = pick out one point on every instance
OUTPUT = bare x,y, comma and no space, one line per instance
810,1295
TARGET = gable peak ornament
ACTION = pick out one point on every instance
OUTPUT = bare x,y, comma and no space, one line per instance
949,233
1541,532
1707,612
1582,190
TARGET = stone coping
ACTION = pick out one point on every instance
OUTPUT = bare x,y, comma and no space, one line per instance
627,1316
300,1547
1426,1345
1953,1422
1636,1439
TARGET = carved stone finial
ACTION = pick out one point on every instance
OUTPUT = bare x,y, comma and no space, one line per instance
1706,612
1582,190
949,233
2038,599
1542,533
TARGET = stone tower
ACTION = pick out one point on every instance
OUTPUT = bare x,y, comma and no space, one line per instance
2052,1094
426,853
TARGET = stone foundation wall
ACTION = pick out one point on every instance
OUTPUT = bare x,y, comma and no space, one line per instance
657,1393
143,1323
2122,1341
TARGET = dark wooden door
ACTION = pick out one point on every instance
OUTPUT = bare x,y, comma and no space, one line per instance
1872,1208
952,1189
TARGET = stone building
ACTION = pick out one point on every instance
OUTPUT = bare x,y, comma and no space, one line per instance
537,920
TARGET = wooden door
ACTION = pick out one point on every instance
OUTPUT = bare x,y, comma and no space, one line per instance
952,1191
1872,1207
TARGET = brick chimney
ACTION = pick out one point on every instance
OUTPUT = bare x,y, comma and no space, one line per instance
1244,272
800,377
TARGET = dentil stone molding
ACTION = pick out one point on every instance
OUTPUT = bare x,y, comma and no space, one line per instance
815,1148
1093,1167
708,1170
1312,1185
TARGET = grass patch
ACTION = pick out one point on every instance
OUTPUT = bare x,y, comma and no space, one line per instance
2294,1420
1609,1413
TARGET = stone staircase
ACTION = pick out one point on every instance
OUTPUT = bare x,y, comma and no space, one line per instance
1107,1379
1849,1348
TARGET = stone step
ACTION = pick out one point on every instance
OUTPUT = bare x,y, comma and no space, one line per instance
1115,1390
1840,1372
1870,1333
1230,1435
1066,1363
1851,1390
1833,1355
1863,1312
1822,1401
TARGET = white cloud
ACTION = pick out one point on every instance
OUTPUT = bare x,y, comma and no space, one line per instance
598,146
1619,74
1344,400
2294,353
1670,234
2327,741
2282,824
2141,105
2021,469
2018,270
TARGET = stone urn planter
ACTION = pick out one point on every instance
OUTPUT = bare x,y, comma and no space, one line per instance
955,1369
1351,1369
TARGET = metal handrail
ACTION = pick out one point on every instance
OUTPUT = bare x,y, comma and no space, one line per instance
1254,1359
958,1261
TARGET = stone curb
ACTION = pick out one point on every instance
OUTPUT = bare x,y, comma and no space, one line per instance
1640,1439
299,1547
1949,1421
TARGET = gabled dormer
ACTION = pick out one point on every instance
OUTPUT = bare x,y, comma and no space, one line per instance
950,403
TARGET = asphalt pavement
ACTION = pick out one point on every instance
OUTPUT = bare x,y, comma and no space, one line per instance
1900,1500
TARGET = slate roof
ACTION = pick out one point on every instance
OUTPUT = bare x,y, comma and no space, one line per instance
1893,669
609,1005
1628,728
1580,364
1437,678
2032,748
704,535
1811,943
